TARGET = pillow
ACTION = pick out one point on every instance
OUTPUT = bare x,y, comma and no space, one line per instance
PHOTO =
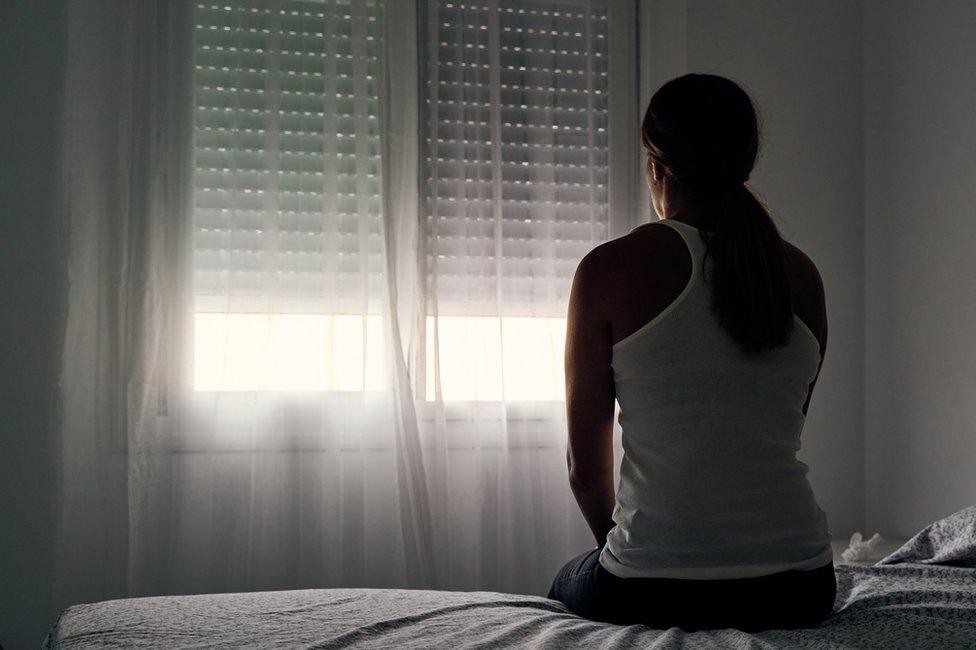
950,542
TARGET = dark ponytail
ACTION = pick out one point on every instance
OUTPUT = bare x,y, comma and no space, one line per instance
703,131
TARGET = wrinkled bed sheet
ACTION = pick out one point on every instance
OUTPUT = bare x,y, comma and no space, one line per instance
921,596
900,606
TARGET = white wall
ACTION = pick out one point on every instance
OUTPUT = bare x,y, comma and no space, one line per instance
920,190
802,63
32,293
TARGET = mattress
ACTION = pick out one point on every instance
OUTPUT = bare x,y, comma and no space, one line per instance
921,596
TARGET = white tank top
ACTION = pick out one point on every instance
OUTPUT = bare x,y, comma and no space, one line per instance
710,486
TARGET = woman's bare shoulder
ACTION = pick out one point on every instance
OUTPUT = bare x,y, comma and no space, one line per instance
650,243
807,288
654,237
803,271
629,279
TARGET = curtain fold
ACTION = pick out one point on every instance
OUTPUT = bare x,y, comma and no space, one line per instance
399,123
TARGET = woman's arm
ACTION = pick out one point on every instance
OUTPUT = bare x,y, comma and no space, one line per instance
809,303
590,397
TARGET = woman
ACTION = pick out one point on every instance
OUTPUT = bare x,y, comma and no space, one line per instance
709,330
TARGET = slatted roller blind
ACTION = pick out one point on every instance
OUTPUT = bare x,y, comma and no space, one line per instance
516,151
287,172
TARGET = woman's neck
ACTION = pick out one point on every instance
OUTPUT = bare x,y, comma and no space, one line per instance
678,206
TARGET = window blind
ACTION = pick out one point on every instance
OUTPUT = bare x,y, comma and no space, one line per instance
287,172
517,151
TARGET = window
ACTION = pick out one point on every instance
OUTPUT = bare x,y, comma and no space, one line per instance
288,246
287,242
517,154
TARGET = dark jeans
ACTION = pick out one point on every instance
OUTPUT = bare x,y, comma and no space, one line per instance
787,600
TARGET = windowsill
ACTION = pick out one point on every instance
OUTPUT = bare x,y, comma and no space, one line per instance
344,421
427,410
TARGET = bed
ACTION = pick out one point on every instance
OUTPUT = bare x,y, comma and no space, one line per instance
921,596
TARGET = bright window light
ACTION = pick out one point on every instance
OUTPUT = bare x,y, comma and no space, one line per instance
487,359
288,352
482,359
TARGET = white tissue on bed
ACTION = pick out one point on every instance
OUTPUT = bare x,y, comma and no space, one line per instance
860,550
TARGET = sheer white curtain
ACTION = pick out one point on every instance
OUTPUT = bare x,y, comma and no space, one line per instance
126,174
231,409
516,150
317,292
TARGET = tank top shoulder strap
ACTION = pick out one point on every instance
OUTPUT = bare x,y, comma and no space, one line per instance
691,237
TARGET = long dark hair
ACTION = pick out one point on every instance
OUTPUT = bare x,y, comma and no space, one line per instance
702,130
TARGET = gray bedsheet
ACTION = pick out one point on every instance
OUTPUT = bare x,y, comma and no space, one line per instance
905,601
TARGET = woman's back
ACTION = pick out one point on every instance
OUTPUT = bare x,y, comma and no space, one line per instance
651,266
710,486
712,360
